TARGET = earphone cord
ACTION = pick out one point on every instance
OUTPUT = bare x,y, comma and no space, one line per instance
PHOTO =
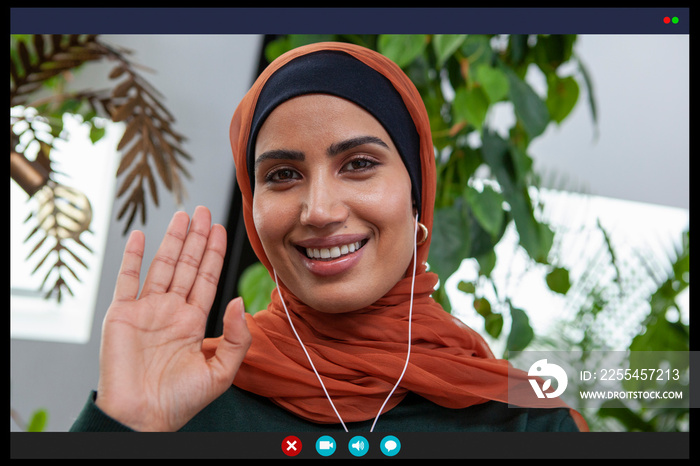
408,353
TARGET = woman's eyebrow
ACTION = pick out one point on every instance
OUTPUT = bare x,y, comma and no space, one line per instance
278,154
334,149
342,146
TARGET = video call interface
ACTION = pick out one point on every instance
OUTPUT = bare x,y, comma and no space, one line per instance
646,24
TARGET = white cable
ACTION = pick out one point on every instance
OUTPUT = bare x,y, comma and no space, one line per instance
410,318
307,354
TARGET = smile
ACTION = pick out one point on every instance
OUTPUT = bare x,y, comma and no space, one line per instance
329,256
333,252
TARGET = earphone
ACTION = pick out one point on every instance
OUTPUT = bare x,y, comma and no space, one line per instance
408,352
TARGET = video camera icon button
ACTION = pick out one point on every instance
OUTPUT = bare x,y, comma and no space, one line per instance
358,445
325,445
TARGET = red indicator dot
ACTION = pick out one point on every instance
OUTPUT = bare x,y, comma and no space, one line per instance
667,20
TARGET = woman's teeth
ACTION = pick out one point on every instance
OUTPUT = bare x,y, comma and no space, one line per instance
334,252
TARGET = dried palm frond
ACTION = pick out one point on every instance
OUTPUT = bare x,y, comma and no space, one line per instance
149,139
63,214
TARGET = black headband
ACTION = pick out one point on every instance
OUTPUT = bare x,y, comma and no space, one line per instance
339,74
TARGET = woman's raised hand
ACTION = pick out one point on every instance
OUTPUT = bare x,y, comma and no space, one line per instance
153,374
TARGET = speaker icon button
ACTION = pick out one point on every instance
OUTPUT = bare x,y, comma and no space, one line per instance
358,445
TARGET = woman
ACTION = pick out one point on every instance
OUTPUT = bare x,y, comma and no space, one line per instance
335,162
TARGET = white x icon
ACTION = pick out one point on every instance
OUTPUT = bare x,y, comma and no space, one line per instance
292,445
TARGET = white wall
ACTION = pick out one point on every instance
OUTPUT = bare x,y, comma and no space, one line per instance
642,154
643,95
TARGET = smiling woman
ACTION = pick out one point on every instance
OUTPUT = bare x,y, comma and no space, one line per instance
336,166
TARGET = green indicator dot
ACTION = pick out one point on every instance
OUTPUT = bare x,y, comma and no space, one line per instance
675,20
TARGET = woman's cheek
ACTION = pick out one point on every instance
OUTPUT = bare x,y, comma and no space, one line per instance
270,218
391,203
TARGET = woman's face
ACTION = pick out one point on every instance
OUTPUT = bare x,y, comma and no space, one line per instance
332,203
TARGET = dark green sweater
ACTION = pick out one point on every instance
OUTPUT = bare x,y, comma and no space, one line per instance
240,411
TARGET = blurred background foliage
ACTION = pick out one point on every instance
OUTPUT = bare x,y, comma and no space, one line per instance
487,184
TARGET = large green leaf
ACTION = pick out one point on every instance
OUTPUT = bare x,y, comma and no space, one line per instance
529,108
487,207
477,49
450,240
486,261
470,105
558,280
535,237
521,333
518,48
255,287
493,324
402,49
551,51
493,80
445,46
562,95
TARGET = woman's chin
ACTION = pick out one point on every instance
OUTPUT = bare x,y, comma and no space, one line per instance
338,306
339,298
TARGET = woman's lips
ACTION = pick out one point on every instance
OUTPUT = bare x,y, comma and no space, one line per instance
331,255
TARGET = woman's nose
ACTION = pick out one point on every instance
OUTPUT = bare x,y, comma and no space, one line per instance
323,205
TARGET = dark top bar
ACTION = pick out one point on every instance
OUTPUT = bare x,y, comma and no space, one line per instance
348,20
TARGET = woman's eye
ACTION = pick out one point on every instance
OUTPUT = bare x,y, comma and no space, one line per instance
284,174
359,164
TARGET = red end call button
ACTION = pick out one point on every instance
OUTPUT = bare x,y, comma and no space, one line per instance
291,446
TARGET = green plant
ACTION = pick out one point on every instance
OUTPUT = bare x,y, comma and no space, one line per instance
624,299
37,422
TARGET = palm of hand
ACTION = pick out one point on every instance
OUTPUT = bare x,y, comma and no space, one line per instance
153,375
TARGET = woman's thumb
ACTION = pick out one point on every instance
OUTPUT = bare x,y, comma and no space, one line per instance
234,343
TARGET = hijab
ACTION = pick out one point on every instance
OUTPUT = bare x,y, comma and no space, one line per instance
360,355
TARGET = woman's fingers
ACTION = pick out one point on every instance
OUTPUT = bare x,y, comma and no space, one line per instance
190,259
207,279
127,287
160,274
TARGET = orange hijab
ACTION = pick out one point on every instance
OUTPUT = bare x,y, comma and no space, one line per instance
360,355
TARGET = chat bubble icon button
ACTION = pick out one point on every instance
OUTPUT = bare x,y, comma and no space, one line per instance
390,445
